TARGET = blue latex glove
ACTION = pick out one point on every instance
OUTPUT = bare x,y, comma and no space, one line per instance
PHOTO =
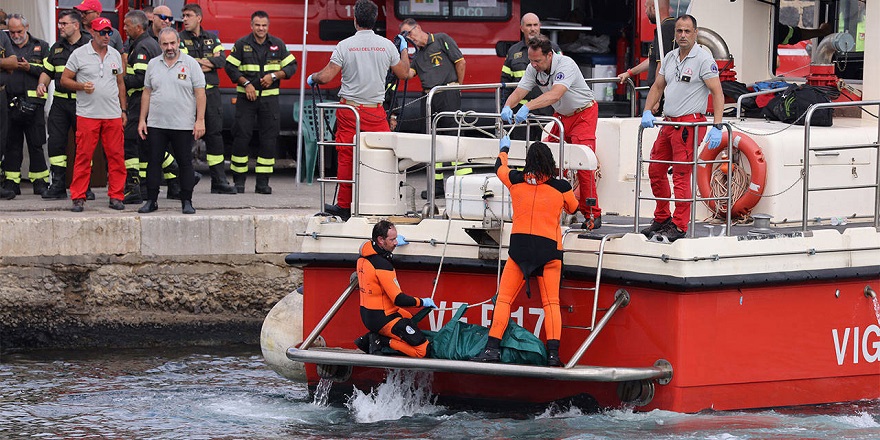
507,114
502,144
428,302
401,240
310,81
714,138
522,114
400,42
648,119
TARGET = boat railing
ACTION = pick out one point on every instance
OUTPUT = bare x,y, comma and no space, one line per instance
695,197
630,85
742,97
322,142
830,149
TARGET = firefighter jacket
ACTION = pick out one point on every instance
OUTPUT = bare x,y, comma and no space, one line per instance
205,46
140,52
377,281
24,83
252,61
54,63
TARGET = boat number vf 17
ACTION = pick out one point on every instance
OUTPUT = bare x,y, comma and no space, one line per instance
439,317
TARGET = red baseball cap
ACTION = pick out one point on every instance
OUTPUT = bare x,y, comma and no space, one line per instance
90,5
101,23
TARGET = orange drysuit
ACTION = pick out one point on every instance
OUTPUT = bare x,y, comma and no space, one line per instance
382,299
535,243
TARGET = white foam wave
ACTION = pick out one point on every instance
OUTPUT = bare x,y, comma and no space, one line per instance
404,393
861,420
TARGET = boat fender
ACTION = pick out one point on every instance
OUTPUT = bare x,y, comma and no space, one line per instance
750,149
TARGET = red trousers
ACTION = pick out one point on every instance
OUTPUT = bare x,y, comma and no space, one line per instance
675,144
372,119
580,128
88,132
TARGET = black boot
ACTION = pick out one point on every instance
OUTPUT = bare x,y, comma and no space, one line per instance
6,194
132,189
492,352
12,186
219,184
378,342
263,184
186,207
363,343
40,187
58,186
553,353
173,188
239,179
149,206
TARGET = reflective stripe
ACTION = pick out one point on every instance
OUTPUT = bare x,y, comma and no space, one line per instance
214,159
13,176
518,73
265,161
42,175
133,91
218,48
273,68
233,60
133,163
169,176
58,161
64,95
47,65
239,164
169,159
129,70
33,94
505,69
249,68
263,169
287,60
238,168
270,92
140,66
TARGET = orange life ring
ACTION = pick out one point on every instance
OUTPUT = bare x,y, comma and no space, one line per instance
758,165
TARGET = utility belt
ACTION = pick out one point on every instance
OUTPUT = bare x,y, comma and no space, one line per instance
357,104
454,83
22,109
589,104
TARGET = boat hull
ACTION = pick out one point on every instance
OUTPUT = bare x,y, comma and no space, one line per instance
752,346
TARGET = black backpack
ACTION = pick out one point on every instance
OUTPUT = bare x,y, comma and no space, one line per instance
791,105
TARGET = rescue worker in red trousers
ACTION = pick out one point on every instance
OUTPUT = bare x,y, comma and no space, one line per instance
535,244
207,49
62,114
364,60
382,298
26,116
257,64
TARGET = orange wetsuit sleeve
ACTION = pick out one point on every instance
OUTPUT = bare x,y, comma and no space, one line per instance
571,203
388,281
501,168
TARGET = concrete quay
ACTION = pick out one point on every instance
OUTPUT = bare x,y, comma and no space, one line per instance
118,278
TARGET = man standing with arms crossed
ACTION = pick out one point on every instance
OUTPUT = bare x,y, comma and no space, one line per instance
174,99
96,69
206,48
363,59
257,64
687,75
563,87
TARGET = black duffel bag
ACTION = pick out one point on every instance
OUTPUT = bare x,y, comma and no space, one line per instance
791,106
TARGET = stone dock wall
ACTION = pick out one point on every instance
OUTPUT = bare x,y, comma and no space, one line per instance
140,281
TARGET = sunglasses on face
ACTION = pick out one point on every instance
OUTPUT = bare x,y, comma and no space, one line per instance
106,33
165,17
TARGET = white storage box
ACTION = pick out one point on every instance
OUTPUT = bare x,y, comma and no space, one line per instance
477,196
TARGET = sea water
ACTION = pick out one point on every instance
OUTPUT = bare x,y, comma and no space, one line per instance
228,392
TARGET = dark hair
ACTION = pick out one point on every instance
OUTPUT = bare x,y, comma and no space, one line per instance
138,18
365,13
196,9
539,160
147,9
687,17
408,21
73,14
381,229
541,42
261,14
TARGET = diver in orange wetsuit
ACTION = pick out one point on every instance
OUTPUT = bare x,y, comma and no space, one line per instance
382,299
535,244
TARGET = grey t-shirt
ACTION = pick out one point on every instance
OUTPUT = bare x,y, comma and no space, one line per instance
172,100
88,66
686,90
564,71
365,59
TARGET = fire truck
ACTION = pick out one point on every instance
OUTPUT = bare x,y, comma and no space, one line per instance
603,36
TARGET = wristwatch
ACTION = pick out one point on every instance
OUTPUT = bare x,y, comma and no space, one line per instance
274,78
246,83
719,126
